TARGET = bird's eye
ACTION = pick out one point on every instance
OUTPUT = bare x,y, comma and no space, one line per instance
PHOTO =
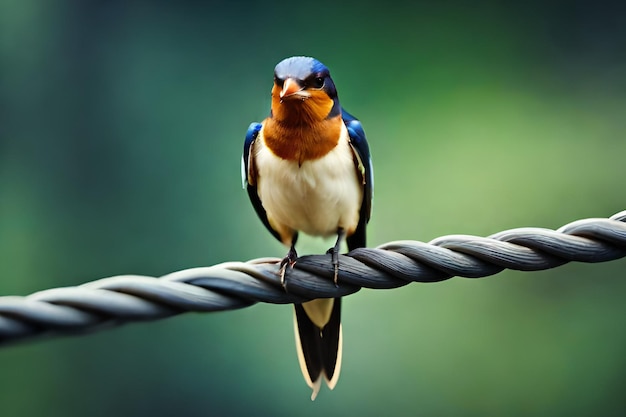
279,82
318,82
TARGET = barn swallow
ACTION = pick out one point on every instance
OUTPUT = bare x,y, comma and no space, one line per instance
307,168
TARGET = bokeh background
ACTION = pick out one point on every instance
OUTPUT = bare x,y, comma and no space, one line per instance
121,128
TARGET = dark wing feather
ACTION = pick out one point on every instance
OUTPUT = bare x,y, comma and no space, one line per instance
363,161
248,176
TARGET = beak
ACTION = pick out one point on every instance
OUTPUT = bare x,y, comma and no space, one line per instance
291,89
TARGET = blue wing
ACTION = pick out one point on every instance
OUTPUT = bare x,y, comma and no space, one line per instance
251,134
248,176
363,160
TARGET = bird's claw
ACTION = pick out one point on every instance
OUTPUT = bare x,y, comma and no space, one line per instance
335,259
290,260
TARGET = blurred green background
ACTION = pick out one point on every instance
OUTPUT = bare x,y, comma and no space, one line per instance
121,127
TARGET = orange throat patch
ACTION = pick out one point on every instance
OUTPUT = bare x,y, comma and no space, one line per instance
299,130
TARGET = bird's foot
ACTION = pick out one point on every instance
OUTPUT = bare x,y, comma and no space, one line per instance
334,252
290,260
335,257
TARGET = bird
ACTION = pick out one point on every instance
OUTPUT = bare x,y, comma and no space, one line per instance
307,168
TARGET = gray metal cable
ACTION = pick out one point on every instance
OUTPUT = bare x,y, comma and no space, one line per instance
231,285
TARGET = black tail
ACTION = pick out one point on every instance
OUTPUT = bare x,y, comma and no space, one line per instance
319,340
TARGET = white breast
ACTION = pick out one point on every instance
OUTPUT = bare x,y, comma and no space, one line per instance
316,197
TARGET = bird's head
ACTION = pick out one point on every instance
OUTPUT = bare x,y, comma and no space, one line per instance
303,92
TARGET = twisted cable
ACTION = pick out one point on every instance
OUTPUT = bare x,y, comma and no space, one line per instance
126,298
